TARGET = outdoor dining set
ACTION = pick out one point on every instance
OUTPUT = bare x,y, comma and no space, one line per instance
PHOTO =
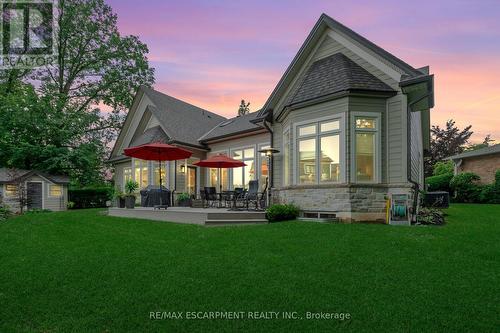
160,197
237,199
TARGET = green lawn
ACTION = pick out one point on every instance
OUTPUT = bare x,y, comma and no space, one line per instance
81,271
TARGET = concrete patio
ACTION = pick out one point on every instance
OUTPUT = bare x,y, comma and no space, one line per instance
188,215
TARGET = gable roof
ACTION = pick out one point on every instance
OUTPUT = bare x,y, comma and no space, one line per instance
183,122
323,23
478,152
153,134
334,74
11,175
233,126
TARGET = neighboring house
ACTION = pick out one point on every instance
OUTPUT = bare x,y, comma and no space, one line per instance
484,162
39,190
351,122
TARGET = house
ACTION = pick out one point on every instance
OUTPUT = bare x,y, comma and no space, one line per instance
484,162
351,122
37,190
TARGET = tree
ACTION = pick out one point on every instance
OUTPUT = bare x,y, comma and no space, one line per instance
60,126
446,142
486,143
244,108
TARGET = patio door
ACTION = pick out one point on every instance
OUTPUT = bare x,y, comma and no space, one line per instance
192,181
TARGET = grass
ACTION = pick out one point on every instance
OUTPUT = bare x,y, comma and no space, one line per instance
80,271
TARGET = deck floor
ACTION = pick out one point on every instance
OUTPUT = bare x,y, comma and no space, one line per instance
188,215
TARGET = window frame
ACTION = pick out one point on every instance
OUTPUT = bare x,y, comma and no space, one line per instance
55,196
243,159
378,145
286,148
340,117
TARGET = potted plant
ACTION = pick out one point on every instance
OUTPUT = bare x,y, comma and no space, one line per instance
184,200
120,198
130,186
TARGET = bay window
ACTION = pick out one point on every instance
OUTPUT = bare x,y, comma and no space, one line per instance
366,148
319,152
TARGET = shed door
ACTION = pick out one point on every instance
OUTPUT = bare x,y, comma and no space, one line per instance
34,195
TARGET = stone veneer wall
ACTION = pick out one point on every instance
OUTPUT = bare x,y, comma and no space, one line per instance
349,202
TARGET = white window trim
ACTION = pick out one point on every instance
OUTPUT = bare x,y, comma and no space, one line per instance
255,158
378,149
207,171
285,181
342,142
55,196
8,195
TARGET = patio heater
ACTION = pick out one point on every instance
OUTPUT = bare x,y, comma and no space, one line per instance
269,152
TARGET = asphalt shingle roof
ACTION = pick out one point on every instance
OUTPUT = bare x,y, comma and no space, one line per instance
334,74
234,125
153,134
479,152
182,121
9,175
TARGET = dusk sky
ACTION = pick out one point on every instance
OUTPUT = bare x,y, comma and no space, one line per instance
214,53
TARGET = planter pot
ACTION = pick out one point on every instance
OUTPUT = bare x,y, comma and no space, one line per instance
121,202
130,201
184,203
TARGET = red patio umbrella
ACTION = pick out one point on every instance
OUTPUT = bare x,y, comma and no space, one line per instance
158,151
220,161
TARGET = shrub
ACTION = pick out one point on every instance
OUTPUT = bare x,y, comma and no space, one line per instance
38,211
490,193
277,213
5,213
443,168
131,186
465,187
90,197
183,197
439,182
497,178
431,216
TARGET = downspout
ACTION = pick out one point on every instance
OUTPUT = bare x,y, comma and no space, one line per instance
416,185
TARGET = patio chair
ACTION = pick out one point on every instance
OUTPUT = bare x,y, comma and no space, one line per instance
211,196
252,194
263,201
239,197
203,197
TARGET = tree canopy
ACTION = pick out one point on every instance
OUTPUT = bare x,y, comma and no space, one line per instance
62,118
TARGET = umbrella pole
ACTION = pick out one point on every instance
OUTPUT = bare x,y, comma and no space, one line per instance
161,189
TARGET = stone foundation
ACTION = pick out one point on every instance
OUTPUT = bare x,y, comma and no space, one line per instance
350,202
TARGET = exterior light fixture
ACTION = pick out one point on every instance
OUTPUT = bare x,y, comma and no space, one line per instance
269,152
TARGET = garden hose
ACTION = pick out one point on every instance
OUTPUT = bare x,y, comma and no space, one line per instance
399,210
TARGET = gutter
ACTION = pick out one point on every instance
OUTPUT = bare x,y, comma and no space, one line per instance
416,185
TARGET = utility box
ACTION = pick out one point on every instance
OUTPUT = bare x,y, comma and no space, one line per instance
399,209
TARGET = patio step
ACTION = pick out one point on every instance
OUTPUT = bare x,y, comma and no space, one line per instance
243,215
221,222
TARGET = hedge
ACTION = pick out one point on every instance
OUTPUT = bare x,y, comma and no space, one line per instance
439,182
90,197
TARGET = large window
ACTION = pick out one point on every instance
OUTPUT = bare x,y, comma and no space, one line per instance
365,148
141,173
241,176
156,173
286,158
319,152
127,174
